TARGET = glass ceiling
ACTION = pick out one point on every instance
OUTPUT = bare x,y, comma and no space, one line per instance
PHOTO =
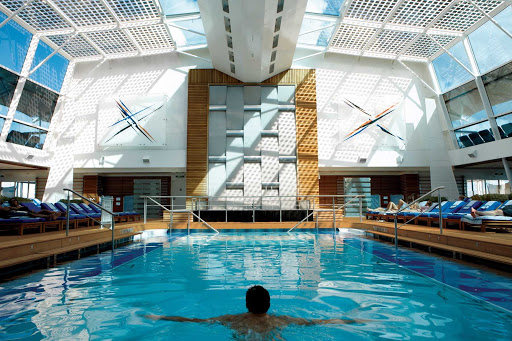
409,29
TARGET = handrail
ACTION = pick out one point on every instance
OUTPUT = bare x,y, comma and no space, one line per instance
438,189
300,222
112,226
171,211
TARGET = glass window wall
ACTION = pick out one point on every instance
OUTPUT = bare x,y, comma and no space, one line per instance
8,82
14,43
26,135
327,7
187,38
36,105
51,74
450,73
177,7
320,37
498,85
464,105
491,46
505,125
474,135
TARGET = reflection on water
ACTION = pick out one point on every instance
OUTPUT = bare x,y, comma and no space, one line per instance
202,276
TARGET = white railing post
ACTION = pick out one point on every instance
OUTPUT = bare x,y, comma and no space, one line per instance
67,218
333,215
440,212
113,236
171,223
396,232
145,209
360,209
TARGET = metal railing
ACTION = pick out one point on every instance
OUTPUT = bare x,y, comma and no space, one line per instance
438,189
196,204
113,215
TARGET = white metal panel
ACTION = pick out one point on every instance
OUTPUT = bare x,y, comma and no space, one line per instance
217,133
252,133
269,159
235,159
269,111
288,184
235,108
217,95
216,179
252,181
287,134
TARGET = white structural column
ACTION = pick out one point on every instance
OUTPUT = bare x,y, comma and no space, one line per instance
507,170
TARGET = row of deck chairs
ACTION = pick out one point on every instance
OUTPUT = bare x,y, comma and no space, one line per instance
79,215
456,213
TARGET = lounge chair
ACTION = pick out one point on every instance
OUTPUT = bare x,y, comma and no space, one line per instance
432,217
58,223
21,223
123,216
488,221
74,219
456,217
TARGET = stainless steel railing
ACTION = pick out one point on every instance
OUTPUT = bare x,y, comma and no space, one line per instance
191,204
112,226
438,189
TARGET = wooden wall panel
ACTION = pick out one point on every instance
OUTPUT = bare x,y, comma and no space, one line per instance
306,119
40,186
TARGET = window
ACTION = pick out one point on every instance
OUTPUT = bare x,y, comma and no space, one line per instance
227,24
474,135
25,189
320,32
8,82
487,186
498,85
277,26
231,56
225,6
14,43
177,7
273,56
490,45
450,73
229,41
51,74
36,105
328,7
26,135
271,69
191,35
280,5
505,125
464,105
232,66
276,41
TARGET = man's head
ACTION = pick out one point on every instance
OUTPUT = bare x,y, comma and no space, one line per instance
13,202
257,300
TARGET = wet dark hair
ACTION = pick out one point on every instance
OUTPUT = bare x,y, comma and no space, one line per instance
257,300
11,201
429,203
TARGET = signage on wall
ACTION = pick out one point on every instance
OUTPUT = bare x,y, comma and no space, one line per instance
132,121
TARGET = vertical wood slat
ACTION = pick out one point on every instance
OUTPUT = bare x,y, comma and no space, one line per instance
306,125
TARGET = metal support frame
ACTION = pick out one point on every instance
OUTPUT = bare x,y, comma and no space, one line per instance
70,38
471,72
416,75
491,19
16,12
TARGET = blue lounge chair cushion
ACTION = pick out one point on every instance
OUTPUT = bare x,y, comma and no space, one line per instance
51,207
21,220
445,210
480,219
79,210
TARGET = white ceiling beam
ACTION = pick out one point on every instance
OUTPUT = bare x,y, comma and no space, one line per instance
55,51
416,75
344,10
16,12
186,29
317,29
164,22
451,55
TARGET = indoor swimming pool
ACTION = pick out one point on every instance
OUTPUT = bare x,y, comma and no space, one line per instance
404,296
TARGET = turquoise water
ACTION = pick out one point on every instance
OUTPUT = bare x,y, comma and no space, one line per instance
307,275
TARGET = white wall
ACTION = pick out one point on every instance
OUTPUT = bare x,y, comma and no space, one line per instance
160,74
376,84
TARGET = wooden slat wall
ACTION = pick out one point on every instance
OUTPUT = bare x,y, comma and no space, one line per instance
306,119
410,186
40,186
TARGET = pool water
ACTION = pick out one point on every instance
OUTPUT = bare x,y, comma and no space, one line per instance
204,275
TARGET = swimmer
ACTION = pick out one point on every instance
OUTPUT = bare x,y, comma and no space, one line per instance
257,301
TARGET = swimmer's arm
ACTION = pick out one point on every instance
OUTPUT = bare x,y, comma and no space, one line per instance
305,322
221,319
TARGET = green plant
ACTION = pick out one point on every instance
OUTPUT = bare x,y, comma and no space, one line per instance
4,199
72,201
491,197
